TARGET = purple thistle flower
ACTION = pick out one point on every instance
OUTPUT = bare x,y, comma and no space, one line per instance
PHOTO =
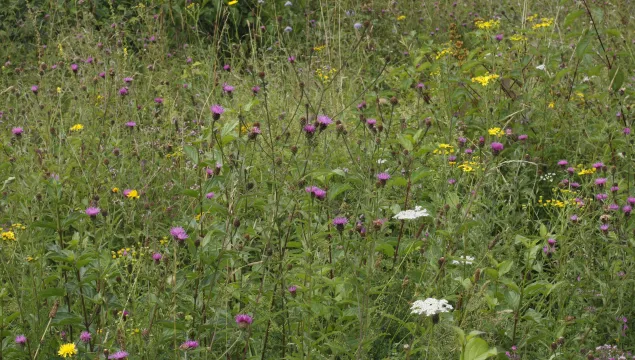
228,88
128,80
614,207
188,60
210,195
631,200
255,90
574,218
469,151
178,233
102,75
74,67
123,91
85,336
615,188
598,165
291,59
571,170
157,257
319,194
293,290
451,181
17,131
563,163
118,355
499,37
339,223
324,121
601,197
600,182
131,124
217,111
627,131
523,137
496,147
243,320
371,122
189,344
89,60
361,106
20,340
93,211
627,209
604,228
357,26
383,177
226,67
309,129
35,89
158,100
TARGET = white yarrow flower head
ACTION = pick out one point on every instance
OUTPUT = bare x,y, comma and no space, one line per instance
430,307
411,214
541,67
468,260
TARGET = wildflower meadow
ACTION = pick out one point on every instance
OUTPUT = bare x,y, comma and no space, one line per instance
317,179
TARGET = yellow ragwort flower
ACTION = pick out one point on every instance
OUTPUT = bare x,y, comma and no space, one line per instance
115,190
544,22
517,37
484,80
496,131
486,25
77,127
401,17
552,105
8,235
234,2
133,194
67,350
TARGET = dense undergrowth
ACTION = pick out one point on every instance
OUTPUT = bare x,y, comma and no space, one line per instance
290,180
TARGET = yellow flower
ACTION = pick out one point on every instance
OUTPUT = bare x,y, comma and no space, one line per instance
67,350
496,132
545,22
59,90
517,37
319,48
532,17
115,190
30,258
125,52
233,2
8,235
443,53
486,24
484,80
401,17
466,168
133,194
77,127
552,105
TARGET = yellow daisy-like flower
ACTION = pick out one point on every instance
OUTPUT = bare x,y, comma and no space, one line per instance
484,80
133,194
485,25
115,190
544,22
8,236
496,132
234,2
552,105
77,127
59,90
67,350
466,168
517,37
401,17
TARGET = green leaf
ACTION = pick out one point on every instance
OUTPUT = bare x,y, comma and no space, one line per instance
570,18
583,45
406,142
504,267
64,318
616,76
477,349
50,292
191,153
337,190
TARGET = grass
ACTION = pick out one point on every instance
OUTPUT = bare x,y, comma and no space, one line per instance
214,181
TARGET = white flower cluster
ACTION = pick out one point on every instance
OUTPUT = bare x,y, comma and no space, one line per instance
430,306
411,214
547,177
468,260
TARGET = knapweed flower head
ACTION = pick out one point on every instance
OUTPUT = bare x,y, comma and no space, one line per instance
383,176
128,80
67,350
243,320
20,339
92,211
293,290
217,111
496,148
430,307
157,257
17,131
118,355
228,89
158,100
324,120
411,214
35,89
178,233
189,345
316,192
340,222
123,91
131,124
85,337
74,67
210,195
